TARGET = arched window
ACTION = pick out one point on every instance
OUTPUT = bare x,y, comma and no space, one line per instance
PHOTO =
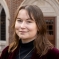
2,25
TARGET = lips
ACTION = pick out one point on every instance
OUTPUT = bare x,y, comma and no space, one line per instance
23,31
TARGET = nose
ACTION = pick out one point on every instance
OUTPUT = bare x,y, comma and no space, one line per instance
23,25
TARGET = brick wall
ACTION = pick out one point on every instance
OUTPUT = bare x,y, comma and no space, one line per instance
12,5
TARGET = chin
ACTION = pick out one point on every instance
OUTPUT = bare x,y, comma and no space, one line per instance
23,38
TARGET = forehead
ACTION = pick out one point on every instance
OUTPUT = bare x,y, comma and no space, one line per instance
22,12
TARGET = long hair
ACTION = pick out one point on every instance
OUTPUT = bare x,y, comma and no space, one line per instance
41,43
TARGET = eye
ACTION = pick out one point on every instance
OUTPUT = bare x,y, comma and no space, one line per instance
29,21
19,20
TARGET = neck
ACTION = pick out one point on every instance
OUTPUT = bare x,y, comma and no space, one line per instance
27,40
27,45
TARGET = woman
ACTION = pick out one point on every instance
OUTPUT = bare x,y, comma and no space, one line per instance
30,36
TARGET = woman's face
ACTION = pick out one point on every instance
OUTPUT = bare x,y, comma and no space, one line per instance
25,28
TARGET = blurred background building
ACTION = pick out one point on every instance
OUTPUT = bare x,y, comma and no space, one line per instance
50,10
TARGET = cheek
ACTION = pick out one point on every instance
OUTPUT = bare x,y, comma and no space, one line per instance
33,28
16,25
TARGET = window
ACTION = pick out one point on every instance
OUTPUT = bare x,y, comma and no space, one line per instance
2,24
50,22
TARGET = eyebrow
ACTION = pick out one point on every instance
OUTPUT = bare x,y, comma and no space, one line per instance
26,19
18,18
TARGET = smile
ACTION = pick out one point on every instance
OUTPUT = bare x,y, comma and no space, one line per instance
23,31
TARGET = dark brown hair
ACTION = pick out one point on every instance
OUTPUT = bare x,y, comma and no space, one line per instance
41,43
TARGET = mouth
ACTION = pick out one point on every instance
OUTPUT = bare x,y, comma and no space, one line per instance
23,31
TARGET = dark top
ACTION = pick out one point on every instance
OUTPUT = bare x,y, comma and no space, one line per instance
26,49
51,54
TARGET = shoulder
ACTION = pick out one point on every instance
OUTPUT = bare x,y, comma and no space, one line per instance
53,53
5,49
4,52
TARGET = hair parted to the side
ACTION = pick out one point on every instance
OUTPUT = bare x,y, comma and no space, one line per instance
41,43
